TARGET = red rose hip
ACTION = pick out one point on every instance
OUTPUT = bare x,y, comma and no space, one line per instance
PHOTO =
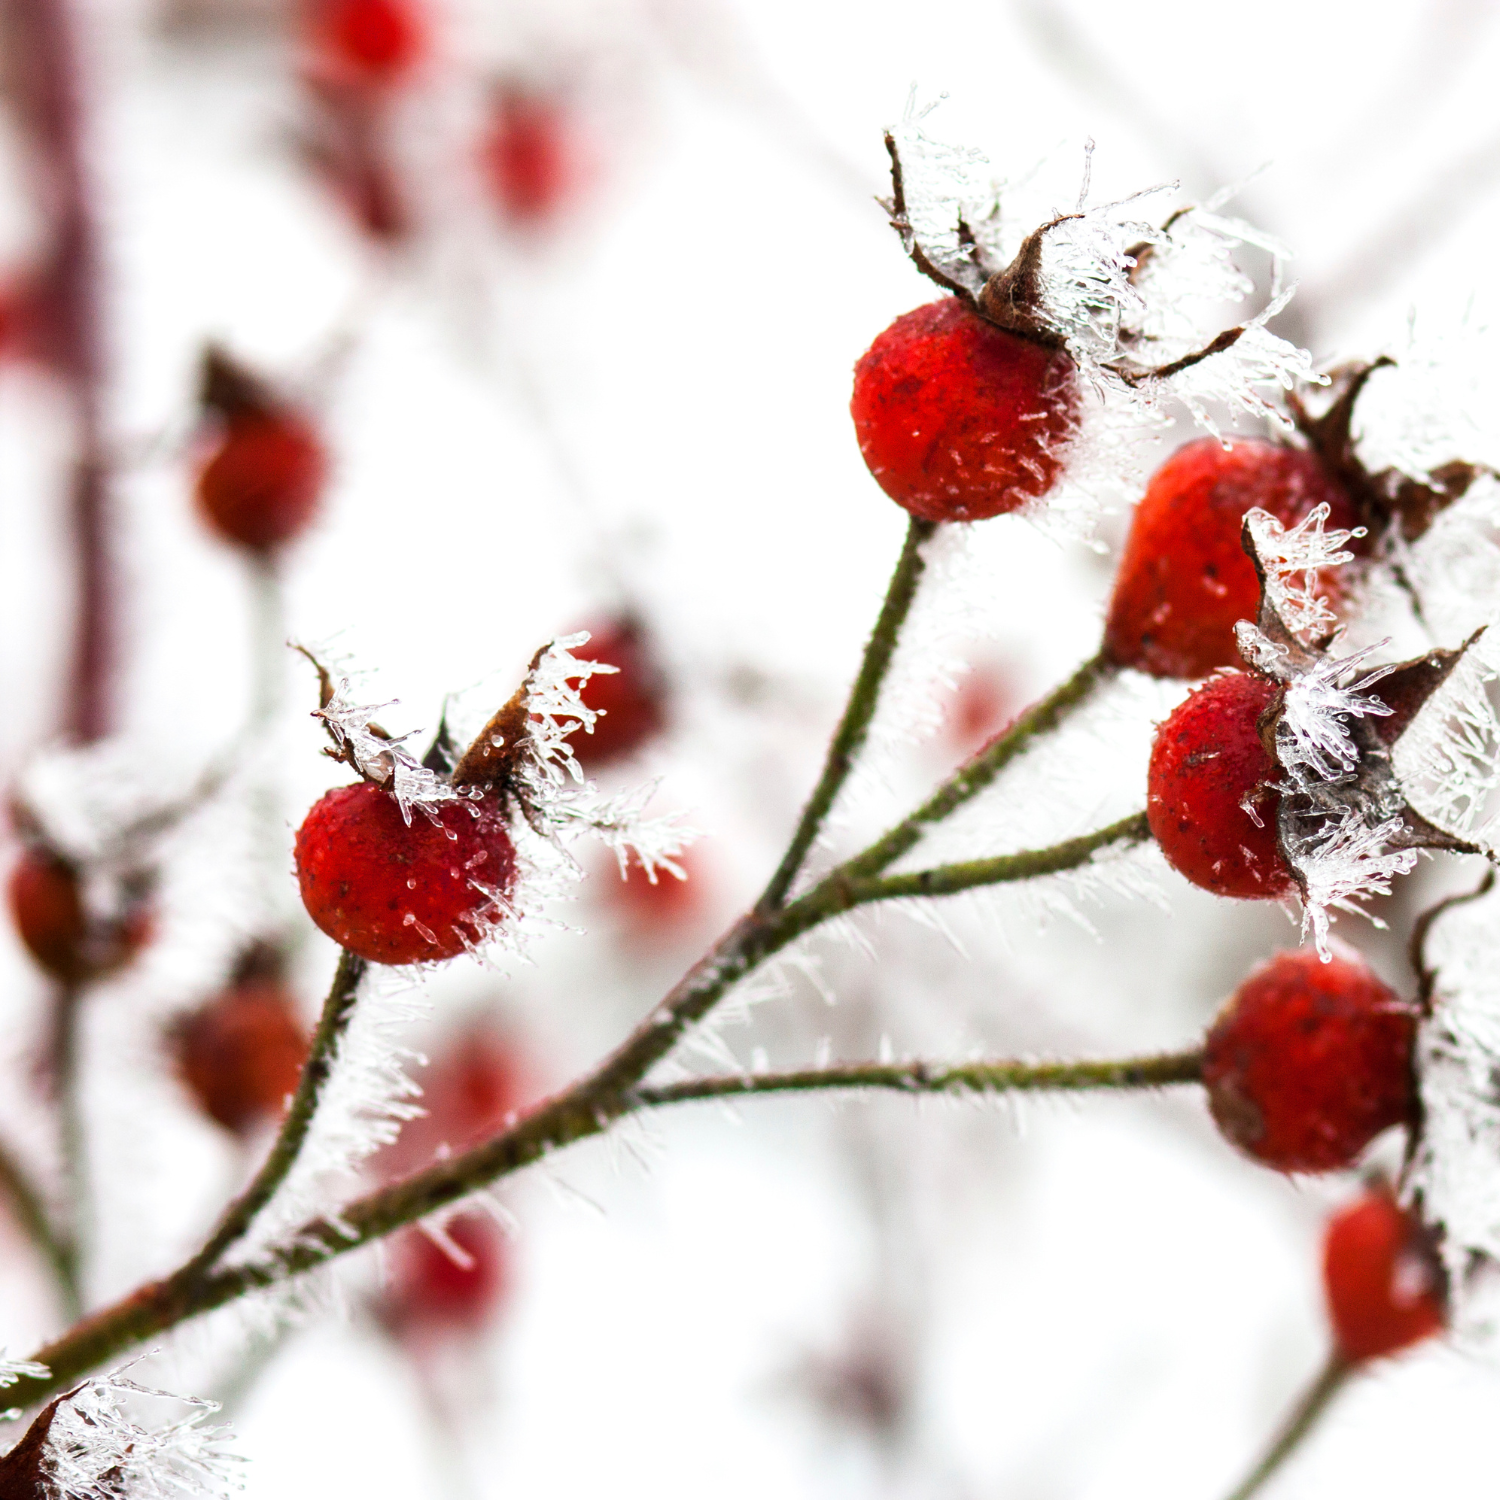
46,903
241,1055
377,40
1184,580
1208,766
1382,1279
261,485
529,155
958,419
1310,1061
430,1294
395,892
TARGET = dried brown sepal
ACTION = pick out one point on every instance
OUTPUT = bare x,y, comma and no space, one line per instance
490,762
1012,298
339,749
1372,792
24,1470
231,389
895,207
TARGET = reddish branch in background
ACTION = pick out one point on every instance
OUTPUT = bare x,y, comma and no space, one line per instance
1310,1061
61,321
241,1053
260,485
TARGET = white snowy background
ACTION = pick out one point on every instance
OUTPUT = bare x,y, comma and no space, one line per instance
1078,1299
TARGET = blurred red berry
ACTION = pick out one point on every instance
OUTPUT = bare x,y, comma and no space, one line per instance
1310,1061
1184,579
46,903
959,420
469,1089
1207,768
429,1294
1384,1285
632,701
241,1054
260,487
659,909
395,892
378,40
529,155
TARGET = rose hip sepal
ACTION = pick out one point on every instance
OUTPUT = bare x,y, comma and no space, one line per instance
1309,1061
1384,1283
1184,580
398,892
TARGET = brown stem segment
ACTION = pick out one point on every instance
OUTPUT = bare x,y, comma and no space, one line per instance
31,1215
1303,1418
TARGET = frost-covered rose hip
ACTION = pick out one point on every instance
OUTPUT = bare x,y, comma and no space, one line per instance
399,893
529,155
241,1054
1310,1061
46,903
1184,579
959,419
1384,1285
1208,766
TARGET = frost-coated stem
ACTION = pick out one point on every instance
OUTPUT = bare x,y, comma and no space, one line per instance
67,1009
999,869
1303,1419
31,1215
853,728
981,769
1001,1077
237,1218
587,1108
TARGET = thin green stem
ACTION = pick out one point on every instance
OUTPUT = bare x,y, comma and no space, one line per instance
67,1010
334,1021
31,1214
854,727
999,869
981,769
1303,1418
1002,1077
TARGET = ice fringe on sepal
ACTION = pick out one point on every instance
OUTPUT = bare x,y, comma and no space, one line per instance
1346,825
1127,296
85,1445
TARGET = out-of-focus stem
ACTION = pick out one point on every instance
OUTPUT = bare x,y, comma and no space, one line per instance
49,77
1303,1418
67,1015
31,1214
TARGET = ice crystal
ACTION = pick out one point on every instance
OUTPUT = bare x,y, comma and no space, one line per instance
1313,742
1455,1170
381,758
1342,860
95,1451
1291,559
